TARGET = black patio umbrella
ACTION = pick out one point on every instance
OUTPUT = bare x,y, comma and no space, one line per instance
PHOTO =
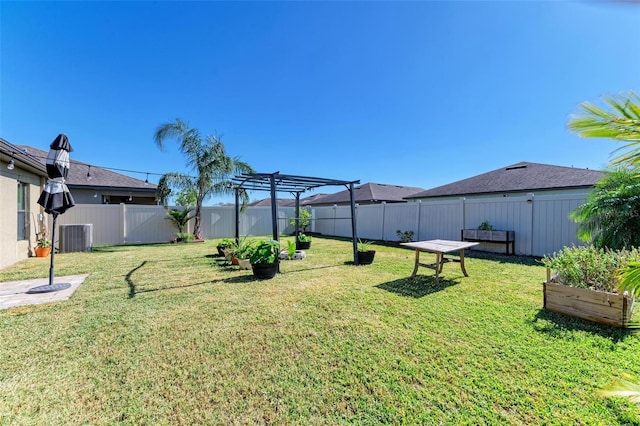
56,198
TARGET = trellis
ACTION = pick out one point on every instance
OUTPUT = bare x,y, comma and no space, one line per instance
296,185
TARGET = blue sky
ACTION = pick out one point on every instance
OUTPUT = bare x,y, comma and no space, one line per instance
407,93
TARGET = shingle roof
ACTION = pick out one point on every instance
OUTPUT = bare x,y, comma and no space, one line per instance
282,202
518,177
287,202
100,178
19,156
369,193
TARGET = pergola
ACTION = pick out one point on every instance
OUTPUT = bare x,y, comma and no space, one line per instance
296,185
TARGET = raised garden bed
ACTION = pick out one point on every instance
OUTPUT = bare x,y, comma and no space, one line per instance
602,307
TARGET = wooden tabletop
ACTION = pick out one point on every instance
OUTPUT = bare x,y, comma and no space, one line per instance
440,246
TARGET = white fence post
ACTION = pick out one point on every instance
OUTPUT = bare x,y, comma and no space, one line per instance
123,220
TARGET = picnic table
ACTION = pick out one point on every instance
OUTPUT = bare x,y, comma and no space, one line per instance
439,247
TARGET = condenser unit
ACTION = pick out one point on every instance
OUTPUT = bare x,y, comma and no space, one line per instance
76,238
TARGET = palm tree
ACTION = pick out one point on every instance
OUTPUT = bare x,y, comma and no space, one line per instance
611,216
180,218
207,158
622,123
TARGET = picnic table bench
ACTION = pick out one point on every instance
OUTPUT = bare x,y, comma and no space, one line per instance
439,247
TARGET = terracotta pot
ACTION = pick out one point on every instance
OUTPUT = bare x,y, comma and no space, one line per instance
42,251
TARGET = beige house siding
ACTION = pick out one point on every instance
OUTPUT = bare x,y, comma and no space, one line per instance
12,250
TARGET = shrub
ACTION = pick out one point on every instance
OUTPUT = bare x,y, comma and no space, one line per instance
184,237
303,220
405,236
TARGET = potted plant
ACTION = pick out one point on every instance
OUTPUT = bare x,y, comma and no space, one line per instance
365,253
241,252
304,242
43,247
264,259
291,253
225,245
583,282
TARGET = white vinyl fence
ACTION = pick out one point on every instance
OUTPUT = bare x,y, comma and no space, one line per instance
541,223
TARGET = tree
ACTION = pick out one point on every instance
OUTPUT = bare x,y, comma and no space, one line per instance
187,197
207,158
622,123
611,216
180,218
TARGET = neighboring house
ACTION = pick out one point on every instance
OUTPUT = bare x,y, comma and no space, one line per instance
287,202
266,202
534,200
518,179
368,193
94,185
22,179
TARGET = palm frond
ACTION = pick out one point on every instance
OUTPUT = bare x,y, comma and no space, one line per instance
625,387
623,124
630,278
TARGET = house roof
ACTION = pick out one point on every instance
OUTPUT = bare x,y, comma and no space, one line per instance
282,202
287,202
100,178
518,177
369,193
9,151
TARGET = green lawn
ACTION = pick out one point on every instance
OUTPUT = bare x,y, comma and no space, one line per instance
166,334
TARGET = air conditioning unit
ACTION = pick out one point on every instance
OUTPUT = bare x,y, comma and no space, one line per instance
76,238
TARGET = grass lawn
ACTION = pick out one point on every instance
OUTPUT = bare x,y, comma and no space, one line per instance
166,334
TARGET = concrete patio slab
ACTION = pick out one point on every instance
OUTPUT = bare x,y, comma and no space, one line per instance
14,293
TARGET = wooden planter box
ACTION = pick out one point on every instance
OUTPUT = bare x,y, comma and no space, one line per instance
504,237
598,306
497,236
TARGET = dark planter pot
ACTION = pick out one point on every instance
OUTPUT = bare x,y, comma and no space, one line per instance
303,245
265,271
366,257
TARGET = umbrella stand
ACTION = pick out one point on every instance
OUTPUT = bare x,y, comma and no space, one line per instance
51,287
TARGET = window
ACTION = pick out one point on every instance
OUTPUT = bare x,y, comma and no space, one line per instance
23,211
